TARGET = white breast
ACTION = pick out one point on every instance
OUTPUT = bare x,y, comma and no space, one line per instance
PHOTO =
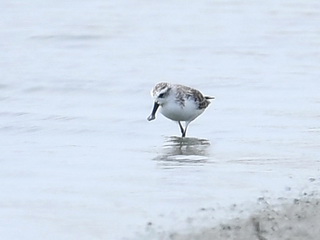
176,112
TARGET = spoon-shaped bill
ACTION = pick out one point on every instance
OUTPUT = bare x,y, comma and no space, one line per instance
153,113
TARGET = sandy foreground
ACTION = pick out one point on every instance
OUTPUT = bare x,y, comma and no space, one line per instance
294,219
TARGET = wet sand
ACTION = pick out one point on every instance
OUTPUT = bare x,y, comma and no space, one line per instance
294,219
298,219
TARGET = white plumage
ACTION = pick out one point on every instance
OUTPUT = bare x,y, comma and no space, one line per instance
178,103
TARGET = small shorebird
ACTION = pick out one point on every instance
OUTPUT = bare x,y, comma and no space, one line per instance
178,103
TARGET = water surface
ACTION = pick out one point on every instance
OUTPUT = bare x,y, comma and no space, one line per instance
78,158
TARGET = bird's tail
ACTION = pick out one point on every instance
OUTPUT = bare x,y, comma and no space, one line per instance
207,97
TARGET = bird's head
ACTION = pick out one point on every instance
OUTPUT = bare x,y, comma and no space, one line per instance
160,92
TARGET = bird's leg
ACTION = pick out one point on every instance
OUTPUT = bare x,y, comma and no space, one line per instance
181,129
185,129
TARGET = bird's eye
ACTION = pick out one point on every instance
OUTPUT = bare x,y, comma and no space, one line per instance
161,95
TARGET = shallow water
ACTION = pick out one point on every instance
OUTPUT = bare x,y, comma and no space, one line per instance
78,158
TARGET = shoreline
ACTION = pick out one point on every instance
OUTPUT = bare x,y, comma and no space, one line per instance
288,218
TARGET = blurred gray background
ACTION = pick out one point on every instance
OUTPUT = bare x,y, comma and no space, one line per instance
78,158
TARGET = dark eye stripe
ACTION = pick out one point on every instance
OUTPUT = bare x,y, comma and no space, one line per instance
161,95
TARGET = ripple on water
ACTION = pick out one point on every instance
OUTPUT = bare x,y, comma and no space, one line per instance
177,151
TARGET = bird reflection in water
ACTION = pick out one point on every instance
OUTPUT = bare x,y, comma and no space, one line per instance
178,151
